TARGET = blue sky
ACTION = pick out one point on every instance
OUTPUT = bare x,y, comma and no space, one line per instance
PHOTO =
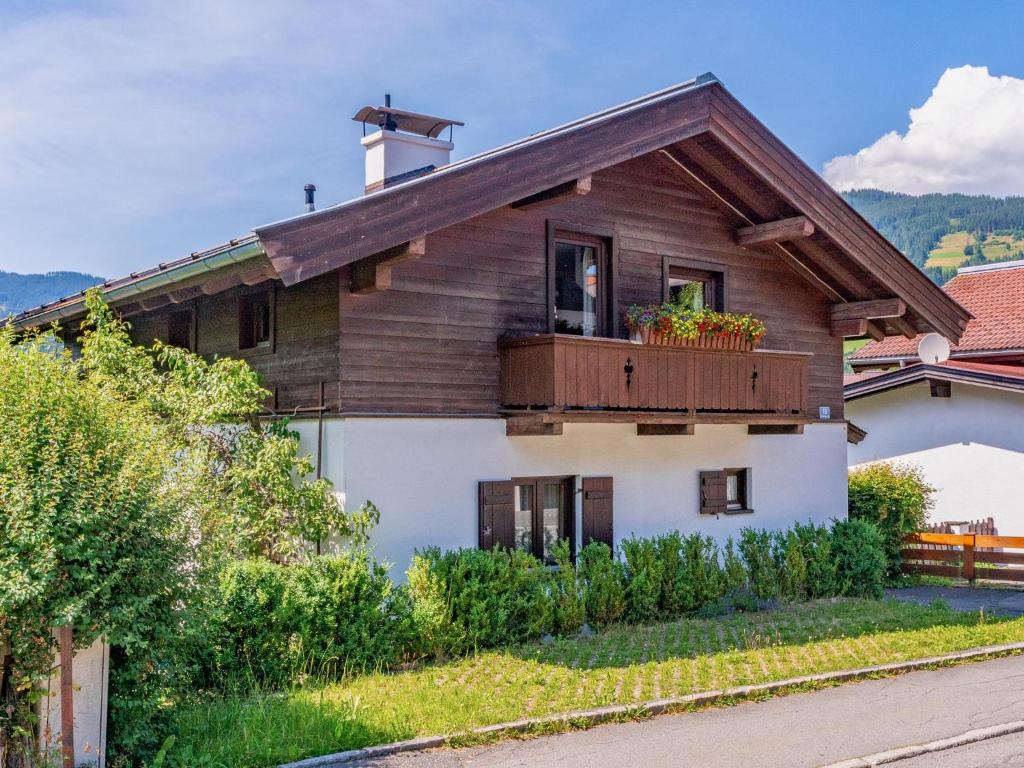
135,132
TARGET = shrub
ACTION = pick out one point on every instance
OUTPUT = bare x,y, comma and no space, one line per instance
896,498
756,549
816,547
569,608
733,572
345,613
473,599
603,581
250,626
702,571
643,579
267,623
859,553
790,565
675,597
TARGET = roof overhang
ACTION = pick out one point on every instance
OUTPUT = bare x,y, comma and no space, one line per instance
235,258
847,258
912,374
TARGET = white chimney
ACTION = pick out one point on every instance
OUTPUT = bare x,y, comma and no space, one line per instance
406,144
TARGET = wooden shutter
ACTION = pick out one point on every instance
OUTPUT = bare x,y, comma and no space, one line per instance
712,492
497,514
597,510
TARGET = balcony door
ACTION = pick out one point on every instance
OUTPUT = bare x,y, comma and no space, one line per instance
579,284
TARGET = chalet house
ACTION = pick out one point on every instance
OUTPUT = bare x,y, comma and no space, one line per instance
452,342
960,420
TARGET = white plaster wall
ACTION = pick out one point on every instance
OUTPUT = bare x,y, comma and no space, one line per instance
89,673
423,472
970,447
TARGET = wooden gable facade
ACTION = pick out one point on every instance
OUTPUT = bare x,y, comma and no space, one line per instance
435,297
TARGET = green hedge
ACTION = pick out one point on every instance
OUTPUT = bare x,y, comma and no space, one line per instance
271,625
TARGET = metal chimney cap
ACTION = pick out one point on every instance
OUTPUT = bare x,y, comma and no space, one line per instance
409,122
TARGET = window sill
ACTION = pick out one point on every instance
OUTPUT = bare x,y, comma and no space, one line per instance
258,351
739,511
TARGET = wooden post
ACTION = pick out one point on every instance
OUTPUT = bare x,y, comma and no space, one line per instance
67,697
967,569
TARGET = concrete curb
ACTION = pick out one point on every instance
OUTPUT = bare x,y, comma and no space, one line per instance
916,750
600,715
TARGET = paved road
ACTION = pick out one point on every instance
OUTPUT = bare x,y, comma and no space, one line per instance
1005,602
809,729
1004,752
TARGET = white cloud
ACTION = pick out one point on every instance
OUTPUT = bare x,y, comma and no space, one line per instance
133,131
967,137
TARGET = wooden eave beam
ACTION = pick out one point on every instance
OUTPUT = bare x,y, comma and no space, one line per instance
567,191
374,272
875,332
781,231
693,158
875,309
904,326
849,329
664,429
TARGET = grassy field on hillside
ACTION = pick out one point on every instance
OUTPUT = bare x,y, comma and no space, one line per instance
950,250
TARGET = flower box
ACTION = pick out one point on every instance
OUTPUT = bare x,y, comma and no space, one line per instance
672,326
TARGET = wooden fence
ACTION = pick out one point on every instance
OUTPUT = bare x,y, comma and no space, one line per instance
969,556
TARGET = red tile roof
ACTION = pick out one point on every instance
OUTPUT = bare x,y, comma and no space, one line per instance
996,299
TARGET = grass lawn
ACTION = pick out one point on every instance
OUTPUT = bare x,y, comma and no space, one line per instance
950,250
621,665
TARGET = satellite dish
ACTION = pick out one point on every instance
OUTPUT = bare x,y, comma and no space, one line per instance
933,349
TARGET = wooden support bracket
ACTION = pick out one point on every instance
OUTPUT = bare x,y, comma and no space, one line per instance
849,328
903,326
875,332
664,429
374,272
569,189
530,427
779,231
775,429
876,309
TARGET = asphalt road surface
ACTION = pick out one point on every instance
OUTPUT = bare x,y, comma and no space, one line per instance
807,729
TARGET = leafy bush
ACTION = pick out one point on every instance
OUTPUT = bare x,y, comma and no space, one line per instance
268,623
896,498
603,580
569,607
251,628
816,547
859,552
702,572
790,565
734,573
643,579
346,613
468,599
758,559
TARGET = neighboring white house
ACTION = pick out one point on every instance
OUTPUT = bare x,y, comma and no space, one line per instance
961,422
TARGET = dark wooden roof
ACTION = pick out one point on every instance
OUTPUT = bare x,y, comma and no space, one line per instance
701,131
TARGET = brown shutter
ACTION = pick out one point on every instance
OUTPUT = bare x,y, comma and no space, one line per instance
712,492
597,510
497,514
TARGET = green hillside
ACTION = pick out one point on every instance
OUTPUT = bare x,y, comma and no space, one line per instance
19,292
941,232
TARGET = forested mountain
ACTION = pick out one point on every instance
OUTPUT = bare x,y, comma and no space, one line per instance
921,226
18,292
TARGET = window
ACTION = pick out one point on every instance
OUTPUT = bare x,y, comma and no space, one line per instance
737,490
579,283
543,514
181,329
256,320
694,284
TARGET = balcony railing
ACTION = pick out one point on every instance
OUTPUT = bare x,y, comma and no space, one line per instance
557,372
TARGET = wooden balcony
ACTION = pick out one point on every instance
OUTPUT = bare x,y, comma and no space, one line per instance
550,379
